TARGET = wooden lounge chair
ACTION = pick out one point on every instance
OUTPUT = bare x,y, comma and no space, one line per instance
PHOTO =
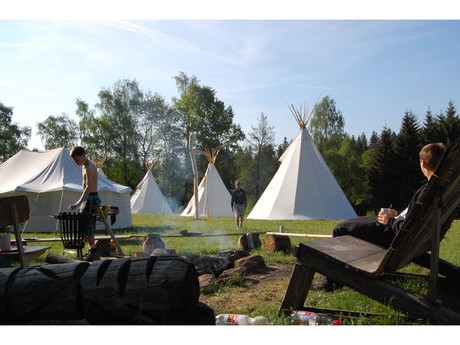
365,267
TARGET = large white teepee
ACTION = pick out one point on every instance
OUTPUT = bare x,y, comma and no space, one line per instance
214,198
303,187
148,197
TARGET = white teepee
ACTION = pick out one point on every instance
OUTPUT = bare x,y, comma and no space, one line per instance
213,197
148,197
303,187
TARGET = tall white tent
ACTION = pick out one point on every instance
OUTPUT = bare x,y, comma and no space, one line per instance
303,186
213,196
52,181
148,197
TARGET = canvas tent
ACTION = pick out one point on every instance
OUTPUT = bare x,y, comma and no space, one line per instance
303,186
213,196
148,197
52,181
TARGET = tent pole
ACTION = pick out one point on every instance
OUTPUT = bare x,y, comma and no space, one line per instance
31,210
206,201
195,174
60,210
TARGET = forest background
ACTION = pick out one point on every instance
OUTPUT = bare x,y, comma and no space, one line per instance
130,130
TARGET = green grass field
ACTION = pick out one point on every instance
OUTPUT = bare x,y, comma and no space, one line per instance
268,301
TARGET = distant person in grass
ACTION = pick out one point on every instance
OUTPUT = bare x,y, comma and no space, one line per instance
89,200
238,204
382,229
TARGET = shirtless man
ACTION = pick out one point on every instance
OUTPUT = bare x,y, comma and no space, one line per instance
89,201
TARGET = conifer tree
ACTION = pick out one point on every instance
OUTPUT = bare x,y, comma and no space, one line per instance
382,173
430,131
449,125
407,164
361,143
373,140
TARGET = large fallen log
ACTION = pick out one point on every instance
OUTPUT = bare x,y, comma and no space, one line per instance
161,290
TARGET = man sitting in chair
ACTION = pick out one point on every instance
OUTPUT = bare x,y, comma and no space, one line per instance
382,229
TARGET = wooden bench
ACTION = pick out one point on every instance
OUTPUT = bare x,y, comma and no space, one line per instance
365,267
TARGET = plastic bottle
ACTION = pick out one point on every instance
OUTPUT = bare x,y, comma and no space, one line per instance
239,319
302,317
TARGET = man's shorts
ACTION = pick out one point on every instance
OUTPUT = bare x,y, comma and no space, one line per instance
239,210
91,206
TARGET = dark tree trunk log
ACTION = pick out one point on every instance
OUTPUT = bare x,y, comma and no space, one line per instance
50,292
161,290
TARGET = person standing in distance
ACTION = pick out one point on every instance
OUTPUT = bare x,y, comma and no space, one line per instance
238,204
89,200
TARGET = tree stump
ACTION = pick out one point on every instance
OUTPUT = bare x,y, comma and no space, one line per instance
249,241
161,290
103,247
274,243
152,242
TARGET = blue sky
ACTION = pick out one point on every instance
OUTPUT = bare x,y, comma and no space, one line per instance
375,70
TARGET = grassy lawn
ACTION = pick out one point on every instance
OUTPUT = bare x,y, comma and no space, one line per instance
255,300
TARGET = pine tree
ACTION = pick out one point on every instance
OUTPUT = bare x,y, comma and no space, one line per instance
407,163
430,130
361,142
449,125
374,140
382,173
282,147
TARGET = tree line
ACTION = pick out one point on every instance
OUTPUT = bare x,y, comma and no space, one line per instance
128,130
